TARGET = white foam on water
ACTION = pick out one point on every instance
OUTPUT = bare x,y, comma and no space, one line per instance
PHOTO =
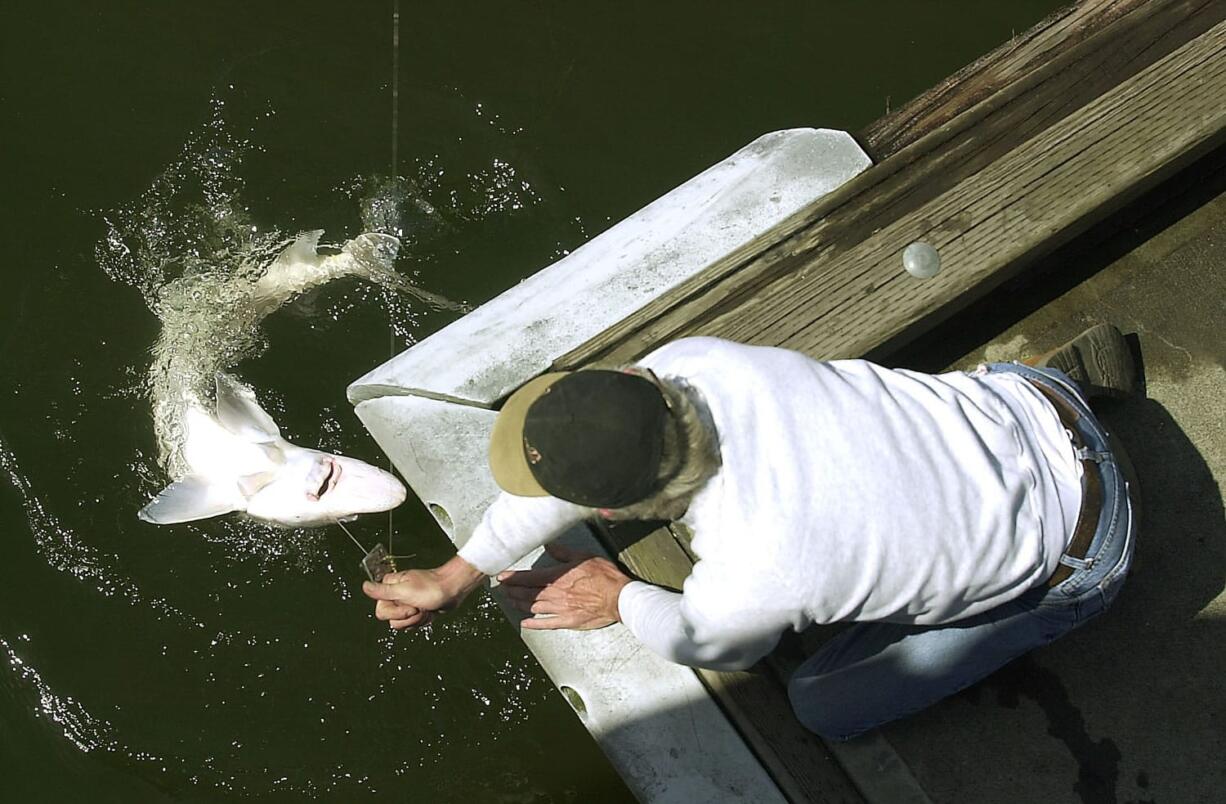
79,727
192,248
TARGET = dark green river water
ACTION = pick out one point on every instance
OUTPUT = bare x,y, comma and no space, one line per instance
226,659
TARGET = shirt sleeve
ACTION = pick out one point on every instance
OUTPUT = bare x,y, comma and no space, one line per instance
514,526
672,626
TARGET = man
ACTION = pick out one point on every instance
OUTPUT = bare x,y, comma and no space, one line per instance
959,519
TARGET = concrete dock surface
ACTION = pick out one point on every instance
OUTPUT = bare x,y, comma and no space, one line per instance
1129,708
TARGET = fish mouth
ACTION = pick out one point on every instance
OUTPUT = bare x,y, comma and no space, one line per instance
329,481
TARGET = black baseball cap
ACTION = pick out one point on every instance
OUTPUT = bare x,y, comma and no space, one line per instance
592,437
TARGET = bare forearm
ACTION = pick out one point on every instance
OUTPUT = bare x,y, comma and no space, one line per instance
457,579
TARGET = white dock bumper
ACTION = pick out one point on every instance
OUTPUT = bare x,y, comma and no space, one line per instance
431,409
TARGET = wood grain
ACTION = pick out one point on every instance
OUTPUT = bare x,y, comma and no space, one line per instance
1021,56
1041,97
848,299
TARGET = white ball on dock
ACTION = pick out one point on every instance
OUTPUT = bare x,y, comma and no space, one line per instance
921,260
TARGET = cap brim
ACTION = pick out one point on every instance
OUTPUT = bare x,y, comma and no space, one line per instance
507,460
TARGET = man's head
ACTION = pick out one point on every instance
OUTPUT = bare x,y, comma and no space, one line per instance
597,438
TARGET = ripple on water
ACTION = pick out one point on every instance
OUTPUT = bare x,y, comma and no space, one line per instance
65,551
259,684
79,727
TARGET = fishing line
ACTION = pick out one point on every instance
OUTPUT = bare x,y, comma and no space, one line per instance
351,536
391,330
395,85
377,562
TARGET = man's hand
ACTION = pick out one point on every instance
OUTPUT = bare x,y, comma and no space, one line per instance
581,593
411,598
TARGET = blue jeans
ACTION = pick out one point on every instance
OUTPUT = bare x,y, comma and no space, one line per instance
874,673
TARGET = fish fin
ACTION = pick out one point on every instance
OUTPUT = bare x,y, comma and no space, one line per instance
374,256
186,500
305,248
250,484
273,453
373,249
240,413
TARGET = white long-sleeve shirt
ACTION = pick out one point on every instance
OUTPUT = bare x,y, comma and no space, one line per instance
847,491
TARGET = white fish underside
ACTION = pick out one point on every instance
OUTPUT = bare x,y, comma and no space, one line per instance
222,450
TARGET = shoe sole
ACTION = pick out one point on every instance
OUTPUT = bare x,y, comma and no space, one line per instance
1099,359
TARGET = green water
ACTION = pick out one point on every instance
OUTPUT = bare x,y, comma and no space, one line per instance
227,660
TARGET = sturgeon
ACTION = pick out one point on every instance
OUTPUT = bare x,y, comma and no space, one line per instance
222,450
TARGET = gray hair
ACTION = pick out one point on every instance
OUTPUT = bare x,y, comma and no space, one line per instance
690,456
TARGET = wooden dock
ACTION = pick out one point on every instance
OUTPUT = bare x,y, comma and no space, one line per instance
1002,163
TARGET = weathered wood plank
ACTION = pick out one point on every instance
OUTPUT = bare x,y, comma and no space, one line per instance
849,299
649,550
796,759
1022,55
1037,99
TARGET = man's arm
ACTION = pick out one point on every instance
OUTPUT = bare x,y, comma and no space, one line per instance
590,592
672,626
581,593
511,528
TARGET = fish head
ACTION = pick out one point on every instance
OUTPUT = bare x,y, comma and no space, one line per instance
312,488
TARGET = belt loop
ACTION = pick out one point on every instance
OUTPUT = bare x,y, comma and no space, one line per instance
1086,454
1076,564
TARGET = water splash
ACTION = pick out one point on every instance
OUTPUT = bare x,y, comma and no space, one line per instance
192,248
79,727
190,219
189,242
64,551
